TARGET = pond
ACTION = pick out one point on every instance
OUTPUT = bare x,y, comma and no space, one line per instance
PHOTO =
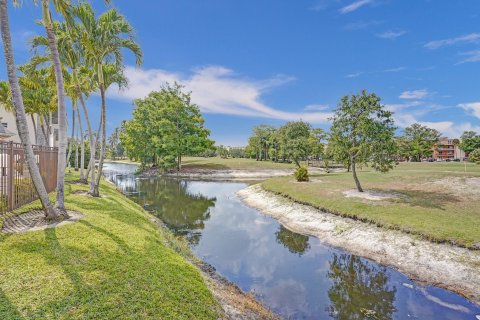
296,276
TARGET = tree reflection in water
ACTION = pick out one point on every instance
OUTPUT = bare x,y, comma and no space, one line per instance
184,213
360,290
294,242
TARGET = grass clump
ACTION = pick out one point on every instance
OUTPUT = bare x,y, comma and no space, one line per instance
438,201
301,174
113,264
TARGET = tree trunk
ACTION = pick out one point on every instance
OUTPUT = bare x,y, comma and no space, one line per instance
76,150
62,112
354,172
179,163
103,143
82,148
71,139
46,133
20,116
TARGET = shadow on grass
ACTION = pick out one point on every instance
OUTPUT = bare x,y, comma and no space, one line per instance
425,199
7,309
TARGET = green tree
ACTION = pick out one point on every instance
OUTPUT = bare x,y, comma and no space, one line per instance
103,40
263,133
317,136
294,141
469,141
417,142
474,156
364,130
165,126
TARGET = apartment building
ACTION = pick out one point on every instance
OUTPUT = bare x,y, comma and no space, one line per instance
38,132
448,149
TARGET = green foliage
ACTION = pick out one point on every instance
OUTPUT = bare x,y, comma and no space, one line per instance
165,126
470,141
315,140
417,142
294,141
362,133
301,174
474,156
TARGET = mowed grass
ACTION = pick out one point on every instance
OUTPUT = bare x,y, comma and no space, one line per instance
113,264
438,201
217,163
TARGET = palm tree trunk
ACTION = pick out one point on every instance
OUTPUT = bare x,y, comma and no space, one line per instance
354,172
103,143
90,134
34,127
91,165
20,115
76,150
71,139
62,112
82,148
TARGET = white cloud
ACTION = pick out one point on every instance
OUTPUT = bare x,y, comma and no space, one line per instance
316,107
391,34
358,74
472,56
472,108
217,89
354,6
469,38
415,94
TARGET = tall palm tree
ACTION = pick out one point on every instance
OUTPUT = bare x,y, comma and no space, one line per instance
20,115
103,40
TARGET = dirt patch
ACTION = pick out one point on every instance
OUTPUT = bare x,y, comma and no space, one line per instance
369,195
459,186
442,265
35,220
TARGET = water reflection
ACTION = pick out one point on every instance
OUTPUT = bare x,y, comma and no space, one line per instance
294,242
360,290
294,275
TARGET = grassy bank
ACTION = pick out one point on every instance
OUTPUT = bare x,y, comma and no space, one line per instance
113,264
439,201
217,163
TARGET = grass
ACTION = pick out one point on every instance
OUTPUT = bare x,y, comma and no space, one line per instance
217,163
434,200
113,264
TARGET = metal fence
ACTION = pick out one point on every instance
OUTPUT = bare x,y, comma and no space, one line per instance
16,185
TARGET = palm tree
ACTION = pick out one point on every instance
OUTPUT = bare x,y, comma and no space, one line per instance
20,115
103,40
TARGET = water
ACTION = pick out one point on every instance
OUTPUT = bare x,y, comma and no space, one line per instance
296,276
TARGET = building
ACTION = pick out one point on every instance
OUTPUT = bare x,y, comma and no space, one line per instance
447,149
38,130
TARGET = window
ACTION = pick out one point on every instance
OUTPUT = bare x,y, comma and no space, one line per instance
5,124
55,133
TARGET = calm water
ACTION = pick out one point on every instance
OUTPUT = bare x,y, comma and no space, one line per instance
296,276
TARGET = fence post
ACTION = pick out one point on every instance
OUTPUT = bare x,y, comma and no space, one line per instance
10,178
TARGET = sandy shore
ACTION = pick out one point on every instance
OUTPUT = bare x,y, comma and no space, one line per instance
443,265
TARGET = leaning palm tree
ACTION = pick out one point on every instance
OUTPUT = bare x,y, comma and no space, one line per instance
103,40
20,114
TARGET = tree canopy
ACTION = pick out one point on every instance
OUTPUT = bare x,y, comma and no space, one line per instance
470,141
363,130
165,126
417,142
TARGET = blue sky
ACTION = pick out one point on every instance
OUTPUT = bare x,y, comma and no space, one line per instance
249,62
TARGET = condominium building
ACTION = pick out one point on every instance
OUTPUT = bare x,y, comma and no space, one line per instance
42,131
448,149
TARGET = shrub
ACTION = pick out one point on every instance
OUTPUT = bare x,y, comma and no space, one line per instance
301,174
474,156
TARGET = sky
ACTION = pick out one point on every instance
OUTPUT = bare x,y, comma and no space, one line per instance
251,62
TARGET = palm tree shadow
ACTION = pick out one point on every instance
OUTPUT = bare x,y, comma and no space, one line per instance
109,234
8,309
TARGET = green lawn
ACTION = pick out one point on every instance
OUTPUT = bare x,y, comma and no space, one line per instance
438,201
113,264
217,163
